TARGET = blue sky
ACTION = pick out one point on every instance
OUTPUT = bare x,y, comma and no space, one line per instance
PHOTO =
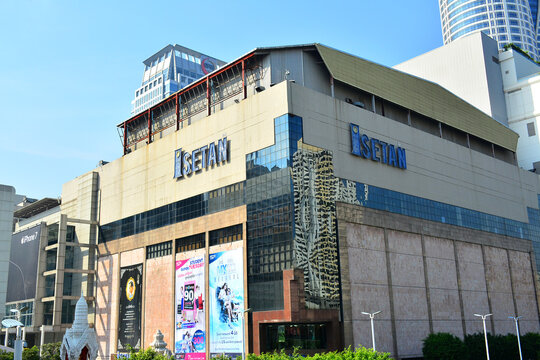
69,68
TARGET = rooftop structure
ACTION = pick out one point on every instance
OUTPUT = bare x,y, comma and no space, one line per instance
504,85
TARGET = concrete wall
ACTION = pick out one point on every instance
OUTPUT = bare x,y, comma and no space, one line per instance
144,180
466,68
437,169
424,283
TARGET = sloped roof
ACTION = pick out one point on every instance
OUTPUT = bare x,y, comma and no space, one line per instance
421,96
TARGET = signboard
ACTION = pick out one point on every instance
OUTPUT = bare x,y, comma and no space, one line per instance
377,150
226,296
190,329
206,157
129,321
23,264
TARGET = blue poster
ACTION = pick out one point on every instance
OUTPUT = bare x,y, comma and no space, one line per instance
226,302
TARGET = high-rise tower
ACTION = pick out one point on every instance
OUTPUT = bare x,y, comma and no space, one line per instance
507,21
169,70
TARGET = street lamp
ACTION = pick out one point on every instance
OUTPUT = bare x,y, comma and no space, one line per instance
371,316
516,319
18,342
485,332
244,332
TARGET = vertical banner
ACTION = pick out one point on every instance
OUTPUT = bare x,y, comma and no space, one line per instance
190,329
226,302
129,321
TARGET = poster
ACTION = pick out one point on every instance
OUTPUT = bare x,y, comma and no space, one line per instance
23,265
226,302
190,329
129,322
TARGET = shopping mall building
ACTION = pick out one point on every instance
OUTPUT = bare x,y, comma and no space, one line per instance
289,191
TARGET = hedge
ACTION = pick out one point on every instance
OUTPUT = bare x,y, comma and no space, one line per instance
444,346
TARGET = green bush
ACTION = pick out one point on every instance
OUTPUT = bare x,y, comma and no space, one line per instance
4,355
31,353
51,351
530,346
444,346
148,354
359,353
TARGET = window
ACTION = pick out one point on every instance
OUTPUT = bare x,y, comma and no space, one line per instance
191,58
68,311
226,235
49,285
530,129
290,336
48,309
159,250
52,234
51,260
137,93
188,243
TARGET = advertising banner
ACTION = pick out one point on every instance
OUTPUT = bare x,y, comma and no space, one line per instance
23,264
129,321
226,302
190,329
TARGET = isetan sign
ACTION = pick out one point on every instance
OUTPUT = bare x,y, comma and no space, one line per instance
208,156
377,150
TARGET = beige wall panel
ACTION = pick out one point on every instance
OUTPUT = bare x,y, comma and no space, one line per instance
369,298
106,304
526,307
499,288
143,179
441,274
439,248
445,305
404,243
411,319
132,257
365,237
522,279
502,306
383,333
367,267
437,169
159,280
471,267
474,302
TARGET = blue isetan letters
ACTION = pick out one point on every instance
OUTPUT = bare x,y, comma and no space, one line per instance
376,150
206,157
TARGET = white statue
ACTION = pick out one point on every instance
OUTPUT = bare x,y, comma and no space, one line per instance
80,342
159,345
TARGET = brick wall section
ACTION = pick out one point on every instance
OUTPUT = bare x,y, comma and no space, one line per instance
294,311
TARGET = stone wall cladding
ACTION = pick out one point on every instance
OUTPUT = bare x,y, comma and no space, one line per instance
428,277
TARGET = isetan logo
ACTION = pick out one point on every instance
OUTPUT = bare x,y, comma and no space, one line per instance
28,238
377,150
187,163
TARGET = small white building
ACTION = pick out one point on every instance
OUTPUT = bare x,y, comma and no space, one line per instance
504,85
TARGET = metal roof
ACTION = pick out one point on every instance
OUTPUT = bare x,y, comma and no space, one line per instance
36,208
421,96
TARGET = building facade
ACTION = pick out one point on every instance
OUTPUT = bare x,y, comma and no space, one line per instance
507,21
169,70
503,84
269,204
52,261
8,204
309,185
